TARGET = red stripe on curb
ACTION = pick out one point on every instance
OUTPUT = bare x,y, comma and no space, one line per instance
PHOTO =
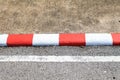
20,40
116,38
72,39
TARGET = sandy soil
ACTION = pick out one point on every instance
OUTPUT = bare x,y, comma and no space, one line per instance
57,16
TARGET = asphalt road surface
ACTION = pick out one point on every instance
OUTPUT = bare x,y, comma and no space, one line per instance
60,70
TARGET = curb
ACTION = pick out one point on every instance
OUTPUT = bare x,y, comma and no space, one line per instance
63,39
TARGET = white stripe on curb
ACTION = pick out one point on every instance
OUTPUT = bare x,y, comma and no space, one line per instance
3,39
98,39
45,39
31,58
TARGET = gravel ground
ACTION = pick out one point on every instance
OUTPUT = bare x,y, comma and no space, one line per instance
53,16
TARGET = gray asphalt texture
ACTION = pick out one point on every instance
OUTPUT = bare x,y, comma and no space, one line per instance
60,71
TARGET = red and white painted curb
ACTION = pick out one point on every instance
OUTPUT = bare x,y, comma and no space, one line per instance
73,39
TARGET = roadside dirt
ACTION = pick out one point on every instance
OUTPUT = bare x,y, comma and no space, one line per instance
59,16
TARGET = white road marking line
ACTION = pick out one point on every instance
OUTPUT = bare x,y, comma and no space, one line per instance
32,58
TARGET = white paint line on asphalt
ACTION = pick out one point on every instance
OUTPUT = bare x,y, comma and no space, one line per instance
32,58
